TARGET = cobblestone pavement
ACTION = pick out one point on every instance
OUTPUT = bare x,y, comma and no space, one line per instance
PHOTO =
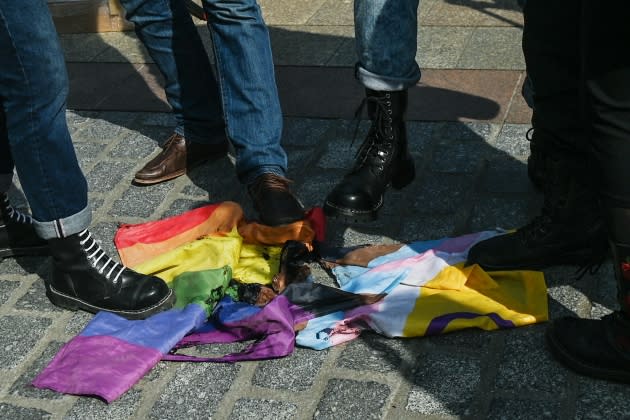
471,176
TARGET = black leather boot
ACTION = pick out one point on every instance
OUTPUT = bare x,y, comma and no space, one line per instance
569,230
601,348
382,160
17,235
84,277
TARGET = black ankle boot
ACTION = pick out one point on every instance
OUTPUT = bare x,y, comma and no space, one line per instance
17,235
382,160
601,348
570,229
84,277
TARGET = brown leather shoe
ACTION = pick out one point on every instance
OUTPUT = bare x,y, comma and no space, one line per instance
178,155
274,202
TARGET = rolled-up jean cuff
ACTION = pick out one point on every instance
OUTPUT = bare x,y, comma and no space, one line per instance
67,226
251,176
383,83
5,182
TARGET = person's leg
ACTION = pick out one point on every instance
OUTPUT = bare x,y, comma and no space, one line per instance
569,229
601,348
33,88
251,105
386,43
167,31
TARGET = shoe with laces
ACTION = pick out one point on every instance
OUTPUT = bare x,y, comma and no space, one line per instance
17,234
274,201
569,230
85,277
383,160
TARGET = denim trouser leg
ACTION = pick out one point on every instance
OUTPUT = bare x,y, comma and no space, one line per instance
167,31
33,91
248,87
386,41
6,161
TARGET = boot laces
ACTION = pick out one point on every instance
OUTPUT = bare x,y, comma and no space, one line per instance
381,130
14,214
96,254
530,134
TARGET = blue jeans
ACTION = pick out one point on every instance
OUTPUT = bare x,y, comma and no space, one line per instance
241,101
386,34
33,132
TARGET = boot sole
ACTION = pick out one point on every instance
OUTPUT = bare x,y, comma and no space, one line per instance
573,258
168,177
350,215
567,358
399,181
39,251
72,303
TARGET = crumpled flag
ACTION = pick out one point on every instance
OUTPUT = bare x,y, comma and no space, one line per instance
210,237
205,288
112,353
427,291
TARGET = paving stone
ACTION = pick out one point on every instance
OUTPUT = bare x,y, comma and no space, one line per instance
568,301
182,205
499,212
493,48
506,176
216,180
124,47
13,412
77,322
527,366
106,175
425,227
295,372
524,409
439,193
95,409
440,47
140,201
87,153
334,12
279,12
340,400
160,119
473,338
195,391
18,335
420,136
444,384
341,149
98,130
512,139
467,131
597,399
263,410
35,299
133,146
23,266
377,353
6,289
23,387
307,45
458,158
81,47
306,132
